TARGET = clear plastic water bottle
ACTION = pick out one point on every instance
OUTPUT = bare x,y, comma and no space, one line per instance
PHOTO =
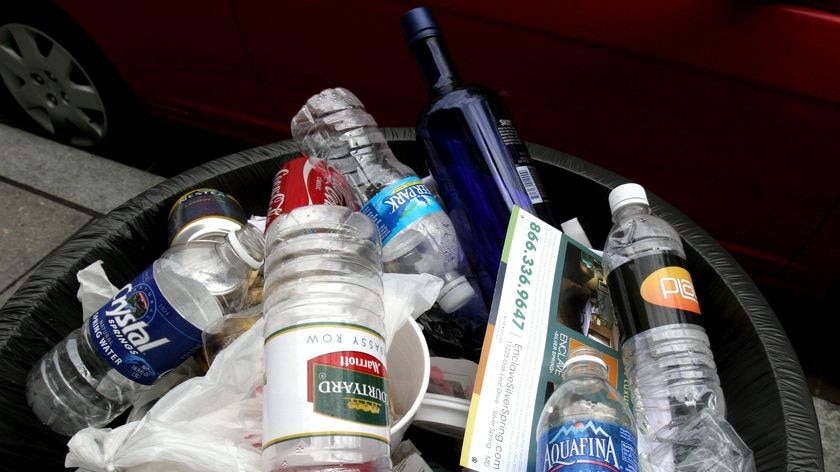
585,424
149,327
225,269
675,388
417,235
473,151
325,404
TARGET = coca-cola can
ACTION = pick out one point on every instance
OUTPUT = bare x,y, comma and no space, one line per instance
301,182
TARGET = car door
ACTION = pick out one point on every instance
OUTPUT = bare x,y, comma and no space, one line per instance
301,48
726,109
185,59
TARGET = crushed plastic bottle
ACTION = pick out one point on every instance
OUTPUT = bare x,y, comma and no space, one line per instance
679,405
417,235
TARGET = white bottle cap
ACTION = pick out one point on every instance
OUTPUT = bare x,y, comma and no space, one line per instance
455,294
585,358
626,194
242,251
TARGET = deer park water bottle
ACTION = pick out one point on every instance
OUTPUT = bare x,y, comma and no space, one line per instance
149,327
417,235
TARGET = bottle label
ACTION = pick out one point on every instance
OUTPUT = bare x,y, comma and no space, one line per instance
527,174
199,204
325,379
533,187
398,205
510,138
587,445
140,334
653,291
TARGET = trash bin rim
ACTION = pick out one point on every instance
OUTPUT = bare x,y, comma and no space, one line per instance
777,348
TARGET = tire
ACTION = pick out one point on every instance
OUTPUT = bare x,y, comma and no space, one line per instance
61,81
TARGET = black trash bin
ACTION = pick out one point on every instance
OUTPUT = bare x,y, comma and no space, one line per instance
767,397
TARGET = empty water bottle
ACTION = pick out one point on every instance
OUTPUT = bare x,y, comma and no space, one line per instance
325,402
149,327
585,424
417,235
679,405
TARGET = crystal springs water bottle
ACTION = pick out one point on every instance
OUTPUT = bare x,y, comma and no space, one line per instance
585,424
417,235
224,269
149,327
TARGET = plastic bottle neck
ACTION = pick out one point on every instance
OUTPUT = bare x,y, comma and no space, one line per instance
584,370
435,64
250,240
630,210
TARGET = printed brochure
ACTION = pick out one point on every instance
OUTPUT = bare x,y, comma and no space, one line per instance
551,296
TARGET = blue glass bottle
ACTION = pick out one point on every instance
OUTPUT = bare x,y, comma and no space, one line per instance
473,152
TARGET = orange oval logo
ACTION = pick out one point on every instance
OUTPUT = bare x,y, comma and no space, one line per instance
671,287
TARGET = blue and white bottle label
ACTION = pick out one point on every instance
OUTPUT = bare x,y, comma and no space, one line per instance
398,205
140,334
587,446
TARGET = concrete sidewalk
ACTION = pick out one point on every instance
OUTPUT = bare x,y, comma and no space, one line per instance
51,191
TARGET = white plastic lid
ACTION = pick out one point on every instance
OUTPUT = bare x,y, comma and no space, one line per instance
626,194
443,415
455,294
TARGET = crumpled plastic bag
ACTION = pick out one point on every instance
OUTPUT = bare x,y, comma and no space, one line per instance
214,422
210,423
705,443
407,295
95,289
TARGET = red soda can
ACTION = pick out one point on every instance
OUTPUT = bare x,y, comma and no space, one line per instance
301,182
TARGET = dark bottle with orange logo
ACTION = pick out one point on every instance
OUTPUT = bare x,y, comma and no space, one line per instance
666,351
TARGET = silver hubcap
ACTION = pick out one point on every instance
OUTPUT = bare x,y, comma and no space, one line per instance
51,85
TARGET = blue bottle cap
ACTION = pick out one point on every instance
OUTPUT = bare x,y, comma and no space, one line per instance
418,23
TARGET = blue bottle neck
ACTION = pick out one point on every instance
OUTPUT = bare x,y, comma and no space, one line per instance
436,67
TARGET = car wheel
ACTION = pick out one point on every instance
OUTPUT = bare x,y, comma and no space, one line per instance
60,82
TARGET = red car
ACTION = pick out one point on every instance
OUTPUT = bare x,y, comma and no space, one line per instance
728,109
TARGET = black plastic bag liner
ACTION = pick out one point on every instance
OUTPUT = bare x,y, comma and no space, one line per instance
767,398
